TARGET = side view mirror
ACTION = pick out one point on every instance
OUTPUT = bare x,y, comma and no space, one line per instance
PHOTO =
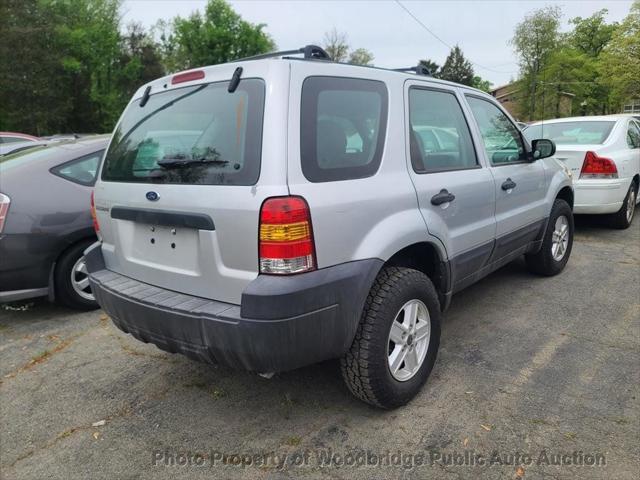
542,148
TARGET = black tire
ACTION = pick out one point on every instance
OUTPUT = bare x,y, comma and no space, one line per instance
64,292
543,262
621,218
365,366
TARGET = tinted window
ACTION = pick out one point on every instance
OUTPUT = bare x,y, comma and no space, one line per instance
14,140
572,133
633,135
82,170
343,125
501,138
439,135
194,135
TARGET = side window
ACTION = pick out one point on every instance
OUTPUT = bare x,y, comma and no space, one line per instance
342,128
502,140
633,135
439,136
82,170
14,140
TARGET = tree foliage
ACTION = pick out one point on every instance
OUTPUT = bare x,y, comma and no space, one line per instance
336,45
361,56
620,59
217,36
457,68
596,63
535,39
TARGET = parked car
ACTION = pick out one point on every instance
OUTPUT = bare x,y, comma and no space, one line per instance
10,141
603,152
45,221
15,137
328,231
16,147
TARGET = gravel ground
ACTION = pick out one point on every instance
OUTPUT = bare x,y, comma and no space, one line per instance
531,371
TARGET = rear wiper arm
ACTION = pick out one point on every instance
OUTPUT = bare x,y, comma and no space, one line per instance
179,161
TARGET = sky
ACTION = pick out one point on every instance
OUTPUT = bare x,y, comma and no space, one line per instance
482,28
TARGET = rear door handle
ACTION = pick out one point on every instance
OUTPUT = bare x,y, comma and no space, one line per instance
443,197
508,184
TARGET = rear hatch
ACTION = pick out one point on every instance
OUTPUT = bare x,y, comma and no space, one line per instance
184,178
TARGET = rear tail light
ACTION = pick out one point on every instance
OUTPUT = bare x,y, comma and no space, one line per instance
598,167
4,209
286,237
94,217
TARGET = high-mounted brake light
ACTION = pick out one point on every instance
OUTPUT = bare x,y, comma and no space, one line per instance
94,216
4,209
598,167
187,77
286,237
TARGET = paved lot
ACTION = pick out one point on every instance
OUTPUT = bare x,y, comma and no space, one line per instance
527,365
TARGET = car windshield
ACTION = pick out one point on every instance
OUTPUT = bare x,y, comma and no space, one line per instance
571,133
193,135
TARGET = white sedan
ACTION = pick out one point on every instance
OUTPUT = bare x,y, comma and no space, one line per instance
603,153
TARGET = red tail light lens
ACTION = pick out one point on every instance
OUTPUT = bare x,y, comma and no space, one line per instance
286,238
4,209
598,167
187,77
94,217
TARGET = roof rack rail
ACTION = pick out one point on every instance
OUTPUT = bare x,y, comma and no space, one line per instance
418,69
312,52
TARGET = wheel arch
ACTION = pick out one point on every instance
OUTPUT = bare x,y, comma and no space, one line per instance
72,242
426,258
566,194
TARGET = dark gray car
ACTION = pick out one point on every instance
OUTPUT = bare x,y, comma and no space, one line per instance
45,221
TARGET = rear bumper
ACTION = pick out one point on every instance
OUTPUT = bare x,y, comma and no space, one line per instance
599,196
282,324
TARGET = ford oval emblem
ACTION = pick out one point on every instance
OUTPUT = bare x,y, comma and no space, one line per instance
152,196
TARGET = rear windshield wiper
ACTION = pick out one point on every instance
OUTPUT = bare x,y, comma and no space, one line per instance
181,161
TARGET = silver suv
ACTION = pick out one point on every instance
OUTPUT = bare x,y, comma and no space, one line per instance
275,212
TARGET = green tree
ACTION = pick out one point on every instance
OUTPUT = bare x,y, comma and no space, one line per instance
335,44
457,68
139,61
534,40
620,59
481,84
590,35
361,56
217,36
29,69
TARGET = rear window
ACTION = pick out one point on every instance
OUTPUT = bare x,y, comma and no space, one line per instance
193,135
571,133
343,126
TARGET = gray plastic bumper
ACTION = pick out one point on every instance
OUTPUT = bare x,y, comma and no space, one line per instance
283,322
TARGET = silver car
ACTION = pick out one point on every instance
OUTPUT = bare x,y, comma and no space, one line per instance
275,212
45,221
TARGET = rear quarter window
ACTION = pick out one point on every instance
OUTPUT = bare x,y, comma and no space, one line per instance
343,125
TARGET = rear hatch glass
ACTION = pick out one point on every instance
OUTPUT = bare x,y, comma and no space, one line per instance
572,133
199,134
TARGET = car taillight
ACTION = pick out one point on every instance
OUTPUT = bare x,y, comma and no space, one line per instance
94,217
598,167
286,237
4,209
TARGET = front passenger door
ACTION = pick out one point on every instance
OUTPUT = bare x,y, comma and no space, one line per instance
455,192
520,185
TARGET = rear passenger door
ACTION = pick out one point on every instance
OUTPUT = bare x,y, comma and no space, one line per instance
455,191
520,186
